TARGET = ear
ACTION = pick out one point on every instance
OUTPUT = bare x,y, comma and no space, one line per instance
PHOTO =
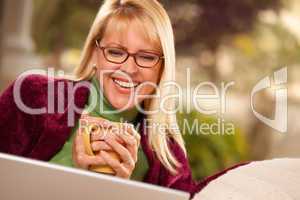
95,57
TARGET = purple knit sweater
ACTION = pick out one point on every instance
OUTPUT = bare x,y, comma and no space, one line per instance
42,136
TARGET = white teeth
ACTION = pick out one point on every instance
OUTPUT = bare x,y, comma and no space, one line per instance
125,84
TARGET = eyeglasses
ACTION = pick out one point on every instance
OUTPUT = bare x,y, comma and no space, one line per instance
119,55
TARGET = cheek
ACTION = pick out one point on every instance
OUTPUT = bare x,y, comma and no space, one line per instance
105,70
104,65
151,80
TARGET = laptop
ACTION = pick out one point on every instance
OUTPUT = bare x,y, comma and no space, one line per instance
23,178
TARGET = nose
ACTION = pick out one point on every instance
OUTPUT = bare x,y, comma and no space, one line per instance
129,66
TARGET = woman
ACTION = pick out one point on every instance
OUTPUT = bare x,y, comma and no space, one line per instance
128,51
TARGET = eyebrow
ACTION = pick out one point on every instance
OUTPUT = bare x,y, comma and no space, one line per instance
140,50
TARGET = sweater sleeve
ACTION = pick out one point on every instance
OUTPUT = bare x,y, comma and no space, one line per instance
8,114
18,132
12,138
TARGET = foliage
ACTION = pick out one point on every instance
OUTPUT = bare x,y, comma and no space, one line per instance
63,24
211,152
214,20
66,22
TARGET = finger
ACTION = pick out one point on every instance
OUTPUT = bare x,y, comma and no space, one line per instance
128,139
120,170
133,149
94,160
79,144
124,154
131,145
131,130
85,161
100,145
99,135
114,136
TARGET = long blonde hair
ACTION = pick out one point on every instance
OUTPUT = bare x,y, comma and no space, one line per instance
153,15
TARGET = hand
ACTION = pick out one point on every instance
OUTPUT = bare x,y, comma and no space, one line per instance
122,139
127,153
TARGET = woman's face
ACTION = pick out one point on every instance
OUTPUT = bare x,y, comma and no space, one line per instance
114,78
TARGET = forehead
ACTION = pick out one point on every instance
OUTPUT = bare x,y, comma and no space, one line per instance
131,33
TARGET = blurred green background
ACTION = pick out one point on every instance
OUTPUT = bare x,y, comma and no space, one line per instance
218,40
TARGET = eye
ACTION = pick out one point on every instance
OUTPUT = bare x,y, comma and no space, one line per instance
147,57
115,52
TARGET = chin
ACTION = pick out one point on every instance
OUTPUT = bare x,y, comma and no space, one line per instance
120,103
119,97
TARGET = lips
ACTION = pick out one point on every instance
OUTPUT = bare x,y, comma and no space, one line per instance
125,83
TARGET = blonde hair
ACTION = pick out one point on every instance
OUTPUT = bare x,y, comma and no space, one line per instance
152,14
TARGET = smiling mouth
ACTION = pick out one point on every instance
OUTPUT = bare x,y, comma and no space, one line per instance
125,84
